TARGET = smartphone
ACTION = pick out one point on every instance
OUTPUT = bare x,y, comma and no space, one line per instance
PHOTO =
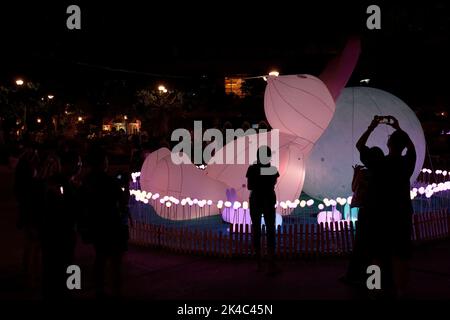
385,120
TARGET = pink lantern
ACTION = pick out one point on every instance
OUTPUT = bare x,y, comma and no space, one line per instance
299,105
291,168
160,175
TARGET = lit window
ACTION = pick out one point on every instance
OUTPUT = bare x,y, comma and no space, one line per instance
234,86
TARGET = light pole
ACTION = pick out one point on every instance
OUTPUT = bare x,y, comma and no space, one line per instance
162,89
19,83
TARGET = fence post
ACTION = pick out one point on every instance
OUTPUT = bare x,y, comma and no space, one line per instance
312,235
220,245
327,237
448,225
344,247
290,241
306,242
434,225
296,249
352,234
319,238
230,241
333,238
154,235
247,231
241,239
278,241
338,240
347,237
440,225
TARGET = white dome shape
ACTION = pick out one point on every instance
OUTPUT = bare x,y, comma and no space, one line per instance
329,169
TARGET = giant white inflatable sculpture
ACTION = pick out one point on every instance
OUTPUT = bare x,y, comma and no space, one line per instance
299,105
301,108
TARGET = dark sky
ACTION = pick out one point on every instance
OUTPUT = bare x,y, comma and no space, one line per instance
408,56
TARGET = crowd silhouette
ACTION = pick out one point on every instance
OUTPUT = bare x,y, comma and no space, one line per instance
57,200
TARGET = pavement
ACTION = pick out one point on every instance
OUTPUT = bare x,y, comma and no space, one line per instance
152,274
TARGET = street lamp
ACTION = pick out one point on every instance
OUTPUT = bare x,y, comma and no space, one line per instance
19,83
162,89
80,119
274,73
50,96
38,120
365,81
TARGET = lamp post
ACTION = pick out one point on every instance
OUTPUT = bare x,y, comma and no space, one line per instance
162,89
19,83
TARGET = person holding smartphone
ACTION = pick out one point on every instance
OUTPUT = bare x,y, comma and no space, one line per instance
389,204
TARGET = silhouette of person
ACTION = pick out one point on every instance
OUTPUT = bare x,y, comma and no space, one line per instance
105,205
389,204
25,187
398,171
362,187
261,180
59,211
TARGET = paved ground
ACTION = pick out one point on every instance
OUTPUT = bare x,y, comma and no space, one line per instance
153,274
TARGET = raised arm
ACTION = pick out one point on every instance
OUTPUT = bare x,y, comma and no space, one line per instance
365,136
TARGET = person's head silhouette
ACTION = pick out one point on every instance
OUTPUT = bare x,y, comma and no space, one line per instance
397,142
376,153
263,155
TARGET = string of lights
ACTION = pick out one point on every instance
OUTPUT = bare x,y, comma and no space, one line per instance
167,76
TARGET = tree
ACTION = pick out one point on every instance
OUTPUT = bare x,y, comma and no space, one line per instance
157,108
18,104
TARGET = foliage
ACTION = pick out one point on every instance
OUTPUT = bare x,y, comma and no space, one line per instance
157,108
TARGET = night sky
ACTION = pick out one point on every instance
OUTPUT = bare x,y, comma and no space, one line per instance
182,41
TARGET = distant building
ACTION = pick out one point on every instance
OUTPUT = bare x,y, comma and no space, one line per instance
122,123
233,85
